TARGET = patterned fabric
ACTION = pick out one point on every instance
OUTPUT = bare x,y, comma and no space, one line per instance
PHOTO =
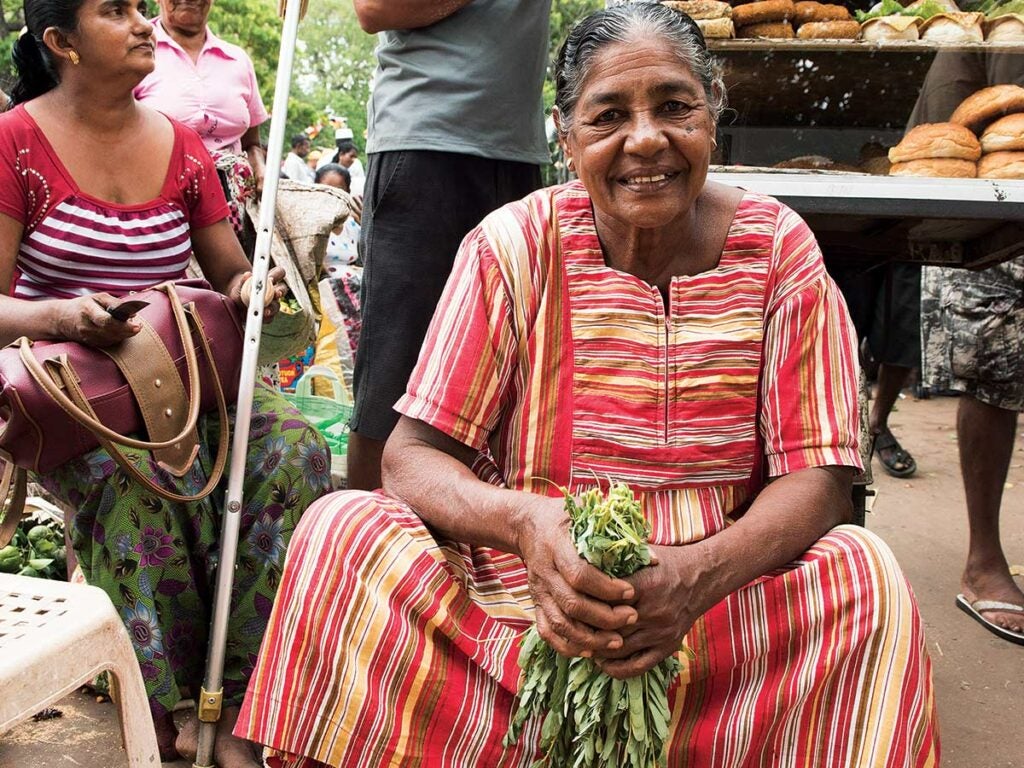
387,644
74,244
972,332
239,183
156,559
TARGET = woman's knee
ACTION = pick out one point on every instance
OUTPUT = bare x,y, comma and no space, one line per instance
338,515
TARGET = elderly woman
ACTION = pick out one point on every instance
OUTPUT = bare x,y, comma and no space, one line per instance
639,325
83,222
209,85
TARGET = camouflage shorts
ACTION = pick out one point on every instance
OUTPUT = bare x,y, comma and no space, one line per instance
972,332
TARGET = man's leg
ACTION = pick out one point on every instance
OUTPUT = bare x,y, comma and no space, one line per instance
986,434
891,380
364,455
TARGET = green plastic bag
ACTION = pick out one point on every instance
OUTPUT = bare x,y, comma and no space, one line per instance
329,415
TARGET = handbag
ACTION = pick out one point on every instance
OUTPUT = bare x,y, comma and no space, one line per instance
61,399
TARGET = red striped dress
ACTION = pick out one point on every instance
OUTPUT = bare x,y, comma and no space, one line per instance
75,244
389,648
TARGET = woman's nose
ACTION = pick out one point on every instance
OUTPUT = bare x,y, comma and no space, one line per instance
646,136
143,26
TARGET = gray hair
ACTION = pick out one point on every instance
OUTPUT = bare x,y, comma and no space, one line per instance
628,23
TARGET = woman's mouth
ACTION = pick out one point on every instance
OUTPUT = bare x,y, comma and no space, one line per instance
648,181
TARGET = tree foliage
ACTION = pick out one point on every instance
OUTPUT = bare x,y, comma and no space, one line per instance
334,61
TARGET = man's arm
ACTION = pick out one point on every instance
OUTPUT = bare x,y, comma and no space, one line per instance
377,15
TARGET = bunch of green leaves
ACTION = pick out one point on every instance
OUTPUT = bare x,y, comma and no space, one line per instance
925,10
37,549
592,720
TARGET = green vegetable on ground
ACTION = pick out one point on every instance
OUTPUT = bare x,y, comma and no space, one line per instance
591,720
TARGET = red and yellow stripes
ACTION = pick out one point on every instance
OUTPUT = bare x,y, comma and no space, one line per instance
388,648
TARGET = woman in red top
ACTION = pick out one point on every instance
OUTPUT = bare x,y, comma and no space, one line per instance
82,222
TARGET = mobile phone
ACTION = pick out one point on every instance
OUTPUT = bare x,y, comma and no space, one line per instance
125,309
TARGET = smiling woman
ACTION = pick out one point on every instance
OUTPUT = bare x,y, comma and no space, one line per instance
640,325
82,223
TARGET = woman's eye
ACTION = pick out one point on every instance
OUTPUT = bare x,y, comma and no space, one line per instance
607,116
674,106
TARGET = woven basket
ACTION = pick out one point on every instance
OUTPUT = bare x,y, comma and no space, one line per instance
304,219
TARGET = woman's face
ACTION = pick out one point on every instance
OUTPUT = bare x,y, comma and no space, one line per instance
114,37
642,135
185,16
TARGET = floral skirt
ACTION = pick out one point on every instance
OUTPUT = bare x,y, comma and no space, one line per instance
157,559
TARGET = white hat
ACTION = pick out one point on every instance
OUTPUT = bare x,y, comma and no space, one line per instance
343,133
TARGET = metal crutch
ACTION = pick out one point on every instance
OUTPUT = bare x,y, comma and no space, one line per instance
212,692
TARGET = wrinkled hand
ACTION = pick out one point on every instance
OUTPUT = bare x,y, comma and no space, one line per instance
87,321
669,599
573,599
356,208
273,292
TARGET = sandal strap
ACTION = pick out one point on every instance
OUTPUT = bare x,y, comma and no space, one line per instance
997,605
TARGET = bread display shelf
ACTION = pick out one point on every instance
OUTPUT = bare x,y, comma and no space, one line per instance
873,219
830,83
857,46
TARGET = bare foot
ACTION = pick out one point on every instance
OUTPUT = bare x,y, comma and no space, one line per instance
165,737
994,584
187,743
229,751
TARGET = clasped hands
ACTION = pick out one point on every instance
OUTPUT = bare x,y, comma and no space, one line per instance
627,626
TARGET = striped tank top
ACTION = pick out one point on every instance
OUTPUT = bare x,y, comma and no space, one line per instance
74,244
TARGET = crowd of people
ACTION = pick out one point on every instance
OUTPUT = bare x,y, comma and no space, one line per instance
638,324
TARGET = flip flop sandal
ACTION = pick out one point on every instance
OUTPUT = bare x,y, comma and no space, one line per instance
896,461
974,611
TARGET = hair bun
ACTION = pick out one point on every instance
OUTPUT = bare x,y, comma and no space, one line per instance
35,77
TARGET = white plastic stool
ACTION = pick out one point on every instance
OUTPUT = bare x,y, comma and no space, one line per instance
55,637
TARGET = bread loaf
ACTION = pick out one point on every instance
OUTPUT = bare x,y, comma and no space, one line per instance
943,167
936,140
982,107
829,30
1002,165
698,10
779,30
762,12
954,28
886,28
808,10
716,28
1004,29
1006,133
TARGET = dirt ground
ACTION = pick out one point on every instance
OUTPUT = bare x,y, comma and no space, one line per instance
979,679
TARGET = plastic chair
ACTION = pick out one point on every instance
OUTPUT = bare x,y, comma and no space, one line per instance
55,637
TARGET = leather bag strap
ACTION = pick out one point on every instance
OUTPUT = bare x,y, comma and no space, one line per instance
81,403
16,478
87,417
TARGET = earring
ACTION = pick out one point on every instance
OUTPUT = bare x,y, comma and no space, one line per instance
571,165
714,144
75,59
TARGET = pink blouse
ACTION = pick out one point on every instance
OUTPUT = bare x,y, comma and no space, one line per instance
217,96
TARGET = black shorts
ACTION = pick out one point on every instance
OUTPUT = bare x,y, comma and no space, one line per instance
885,304
417,207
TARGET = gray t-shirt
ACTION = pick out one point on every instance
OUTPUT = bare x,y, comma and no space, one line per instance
471,84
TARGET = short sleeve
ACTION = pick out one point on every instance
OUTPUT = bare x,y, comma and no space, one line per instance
13,193
467,359
257,110
809,384
200,184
